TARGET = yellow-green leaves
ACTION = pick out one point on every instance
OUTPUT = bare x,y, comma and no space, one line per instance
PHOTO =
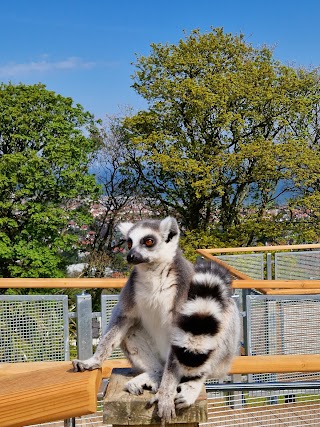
227,126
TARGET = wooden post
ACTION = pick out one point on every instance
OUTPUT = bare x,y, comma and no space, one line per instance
122,409
39,392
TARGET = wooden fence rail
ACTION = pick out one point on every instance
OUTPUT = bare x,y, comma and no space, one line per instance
268,287
278,287
313,286
46,391
259,248
38,392
68,282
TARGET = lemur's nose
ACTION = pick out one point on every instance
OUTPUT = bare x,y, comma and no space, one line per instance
130,257
134,257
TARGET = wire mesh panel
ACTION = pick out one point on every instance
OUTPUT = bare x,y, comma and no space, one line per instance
91,420
283,325
34,328
250,264
288,408
108,302
297,265
294,408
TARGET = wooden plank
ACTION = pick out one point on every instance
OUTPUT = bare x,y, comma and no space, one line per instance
245,283
89,283
276,284
122,408
81,283
37,392
292,291
33,394
8,369
276,364
251,364
232,270
259,248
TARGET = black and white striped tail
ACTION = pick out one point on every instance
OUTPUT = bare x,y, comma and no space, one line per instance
200,318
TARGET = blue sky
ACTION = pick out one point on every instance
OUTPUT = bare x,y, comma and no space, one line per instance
85,49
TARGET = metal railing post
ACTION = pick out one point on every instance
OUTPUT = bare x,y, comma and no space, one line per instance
245,293
84,335
269,266
84,326
70,422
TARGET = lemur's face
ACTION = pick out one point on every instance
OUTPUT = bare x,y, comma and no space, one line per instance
151,241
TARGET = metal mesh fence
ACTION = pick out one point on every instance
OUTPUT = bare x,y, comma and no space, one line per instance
250,264
297,265
92,420
260,408
283,325
108,302
289,408
33,328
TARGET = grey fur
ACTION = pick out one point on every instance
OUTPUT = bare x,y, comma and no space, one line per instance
176,323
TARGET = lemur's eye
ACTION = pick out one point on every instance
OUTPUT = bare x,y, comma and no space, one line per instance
129,243
149,242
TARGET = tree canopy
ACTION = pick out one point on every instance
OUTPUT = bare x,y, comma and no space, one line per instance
45,150
227,127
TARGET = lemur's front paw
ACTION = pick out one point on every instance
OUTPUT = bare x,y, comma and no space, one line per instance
187,395
141,382
166,407
85,365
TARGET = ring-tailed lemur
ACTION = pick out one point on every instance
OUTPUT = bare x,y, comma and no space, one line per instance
176,323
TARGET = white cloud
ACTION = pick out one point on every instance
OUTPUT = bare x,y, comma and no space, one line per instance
16,70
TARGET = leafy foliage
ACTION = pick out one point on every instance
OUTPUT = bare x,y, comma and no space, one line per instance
44,179
227,127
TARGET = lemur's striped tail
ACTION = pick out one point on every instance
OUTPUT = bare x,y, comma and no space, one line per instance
200,319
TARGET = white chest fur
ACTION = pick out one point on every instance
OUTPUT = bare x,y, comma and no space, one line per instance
155,292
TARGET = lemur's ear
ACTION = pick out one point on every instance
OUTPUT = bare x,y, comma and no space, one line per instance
124,227
169,228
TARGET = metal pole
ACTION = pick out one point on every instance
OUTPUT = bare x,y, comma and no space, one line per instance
296,385
84,326
269,266
245,293
84,335
70,422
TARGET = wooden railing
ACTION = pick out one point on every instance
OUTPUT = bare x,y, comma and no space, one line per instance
77,283
259,249
269,287
26,389
39,392
303,286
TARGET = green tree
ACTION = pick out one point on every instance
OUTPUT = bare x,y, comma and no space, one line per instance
227,126
306,176
45,151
